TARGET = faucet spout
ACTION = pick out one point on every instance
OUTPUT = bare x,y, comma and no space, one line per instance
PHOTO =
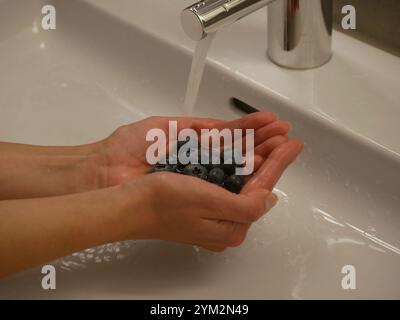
299,31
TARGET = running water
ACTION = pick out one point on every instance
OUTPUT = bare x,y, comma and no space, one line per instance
196,73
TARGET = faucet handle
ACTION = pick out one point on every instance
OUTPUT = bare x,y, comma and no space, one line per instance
208,16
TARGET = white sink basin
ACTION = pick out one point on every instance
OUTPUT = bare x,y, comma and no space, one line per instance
111,63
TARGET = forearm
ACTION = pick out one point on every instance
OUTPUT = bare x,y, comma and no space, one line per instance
33,171
35,231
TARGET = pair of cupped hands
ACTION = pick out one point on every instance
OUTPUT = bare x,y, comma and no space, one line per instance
187,209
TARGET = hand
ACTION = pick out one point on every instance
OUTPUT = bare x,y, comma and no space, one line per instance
189,210
138,205
123,154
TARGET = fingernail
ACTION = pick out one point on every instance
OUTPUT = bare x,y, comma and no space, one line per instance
271,201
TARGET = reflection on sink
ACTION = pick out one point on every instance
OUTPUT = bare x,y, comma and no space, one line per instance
339,203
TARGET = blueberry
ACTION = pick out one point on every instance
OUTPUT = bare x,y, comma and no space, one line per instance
189,152
196,170
178,165
158,166
213,158
177,160
171,159
229,169
181,166
164,168
192,152
229,165
234,183
180,144
202,153
217,176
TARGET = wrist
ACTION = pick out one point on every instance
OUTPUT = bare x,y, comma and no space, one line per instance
91,167
135,210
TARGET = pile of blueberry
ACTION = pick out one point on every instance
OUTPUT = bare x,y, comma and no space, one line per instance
222,174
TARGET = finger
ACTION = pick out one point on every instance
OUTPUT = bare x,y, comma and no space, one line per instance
263,151
188,122
199,123
257,122
226,233
265,148
252,121
258,161
242,208
261,135
268,175
277,128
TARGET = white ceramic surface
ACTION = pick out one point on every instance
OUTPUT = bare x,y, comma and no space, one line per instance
113,62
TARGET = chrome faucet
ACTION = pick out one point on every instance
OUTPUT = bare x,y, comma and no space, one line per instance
299,31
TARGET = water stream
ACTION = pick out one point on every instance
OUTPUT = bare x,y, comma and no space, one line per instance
196,73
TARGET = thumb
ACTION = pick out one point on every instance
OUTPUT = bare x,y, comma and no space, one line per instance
262,201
